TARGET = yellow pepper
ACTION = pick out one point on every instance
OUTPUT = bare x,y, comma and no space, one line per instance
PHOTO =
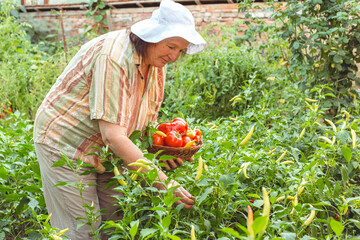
287,162
310,100
266,209
327,140
332,125
270,152
199,170
248,136
193,237
301,134
117,173
281,157
310,218
160,133
353,137
244,167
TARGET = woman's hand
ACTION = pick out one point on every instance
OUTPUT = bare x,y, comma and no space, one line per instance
115,136
185,196
174,163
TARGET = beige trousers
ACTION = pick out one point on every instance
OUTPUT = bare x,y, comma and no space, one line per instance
65,203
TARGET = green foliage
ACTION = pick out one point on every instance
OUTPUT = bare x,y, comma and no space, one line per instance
327,171
202,85
97,12
20,181
315,175
91,217
323,41
299,152
26,71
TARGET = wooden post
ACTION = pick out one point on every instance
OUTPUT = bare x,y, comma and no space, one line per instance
63,33
108,19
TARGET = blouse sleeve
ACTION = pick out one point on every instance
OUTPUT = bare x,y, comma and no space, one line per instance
109,96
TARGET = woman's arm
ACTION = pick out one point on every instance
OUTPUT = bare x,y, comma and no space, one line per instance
115,137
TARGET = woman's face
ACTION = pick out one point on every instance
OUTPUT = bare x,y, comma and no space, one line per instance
165,51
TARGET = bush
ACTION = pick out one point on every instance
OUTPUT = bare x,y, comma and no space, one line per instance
323,44
202,85
20,193
26,72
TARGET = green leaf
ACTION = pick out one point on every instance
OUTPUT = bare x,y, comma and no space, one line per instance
207,225
337,189
134,228
243,228
19,50
258,203
337,58
60,184
5,188
344,174
169,200
59,163
33,204
288,236
23,9
13,196
180,207
147,231
102,5
166,221
80,224
296,45
145,144
259,224
346,153
32,189
205,195
36,169
309,166
336,226
98,18
231,232
3,173
173,237
160,209
135,135
226,180
166,157
14,13
343,135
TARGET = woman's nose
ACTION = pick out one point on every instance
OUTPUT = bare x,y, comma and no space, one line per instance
174,55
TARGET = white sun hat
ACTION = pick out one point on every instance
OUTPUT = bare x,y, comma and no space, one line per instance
170,20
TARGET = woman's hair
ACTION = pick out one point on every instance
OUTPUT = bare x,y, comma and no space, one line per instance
139,44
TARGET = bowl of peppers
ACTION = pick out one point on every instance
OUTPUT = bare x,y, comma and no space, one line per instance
176,138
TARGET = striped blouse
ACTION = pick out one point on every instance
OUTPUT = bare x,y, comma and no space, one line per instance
102,81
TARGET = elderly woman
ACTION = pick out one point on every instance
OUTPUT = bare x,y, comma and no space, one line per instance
113,86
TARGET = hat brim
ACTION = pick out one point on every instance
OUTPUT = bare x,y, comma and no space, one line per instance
145,30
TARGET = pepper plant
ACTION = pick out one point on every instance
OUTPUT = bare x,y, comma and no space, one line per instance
323,39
